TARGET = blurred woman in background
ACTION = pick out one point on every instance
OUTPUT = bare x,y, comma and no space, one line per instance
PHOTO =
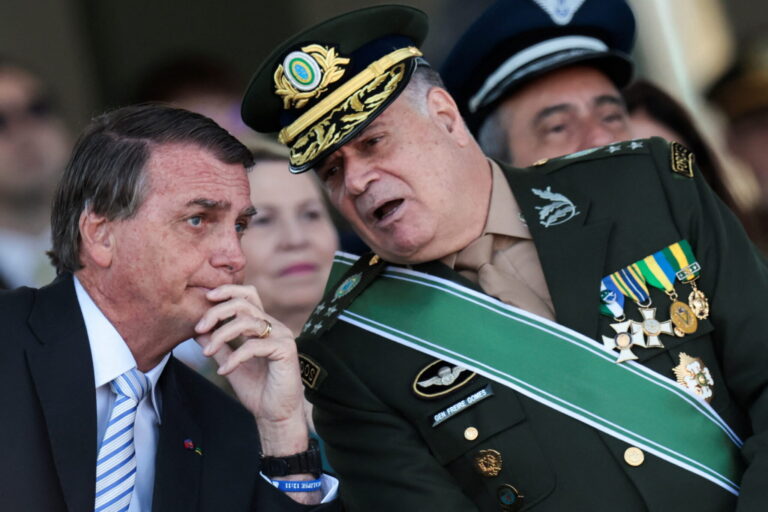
290,243
653,112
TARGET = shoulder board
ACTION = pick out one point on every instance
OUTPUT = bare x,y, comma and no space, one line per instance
629,147
339,296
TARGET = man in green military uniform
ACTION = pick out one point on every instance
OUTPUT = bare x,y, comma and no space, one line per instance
430,393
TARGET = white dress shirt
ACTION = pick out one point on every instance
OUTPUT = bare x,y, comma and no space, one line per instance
111,358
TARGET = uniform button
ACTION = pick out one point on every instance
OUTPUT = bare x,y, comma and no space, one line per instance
634,456
509,498
471,433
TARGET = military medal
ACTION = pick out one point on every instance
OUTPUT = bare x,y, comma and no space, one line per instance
683,317
611,300
652,328
694,376
659,272
630,282
624,340
699,303
688,271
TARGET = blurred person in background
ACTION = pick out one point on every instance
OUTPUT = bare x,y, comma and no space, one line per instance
653,112
742,95
290,245
535,80
34,146
200,84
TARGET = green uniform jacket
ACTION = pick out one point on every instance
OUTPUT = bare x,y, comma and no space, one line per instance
629,203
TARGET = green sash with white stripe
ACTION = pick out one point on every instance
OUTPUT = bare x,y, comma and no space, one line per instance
549,363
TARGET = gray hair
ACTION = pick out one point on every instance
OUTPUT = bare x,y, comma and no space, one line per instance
423,79
106,174
492,137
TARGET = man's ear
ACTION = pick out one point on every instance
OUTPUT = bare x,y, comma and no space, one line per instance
97,241
443,108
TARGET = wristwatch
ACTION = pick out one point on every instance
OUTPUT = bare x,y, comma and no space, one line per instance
304,462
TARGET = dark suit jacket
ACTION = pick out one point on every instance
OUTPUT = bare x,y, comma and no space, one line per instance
631,204
48,425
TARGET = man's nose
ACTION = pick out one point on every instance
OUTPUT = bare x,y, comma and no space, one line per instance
358,175
228,254
595,134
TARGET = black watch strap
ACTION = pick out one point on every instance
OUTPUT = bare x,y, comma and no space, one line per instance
304,462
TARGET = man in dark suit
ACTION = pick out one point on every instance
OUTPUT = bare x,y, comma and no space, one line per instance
97,414
496,423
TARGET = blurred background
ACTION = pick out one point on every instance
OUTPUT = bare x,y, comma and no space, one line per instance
97,54
94,53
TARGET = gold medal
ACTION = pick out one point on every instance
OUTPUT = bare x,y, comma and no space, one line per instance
683,317
698,302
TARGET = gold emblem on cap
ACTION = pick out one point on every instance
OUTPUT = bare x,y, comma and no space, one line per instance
488,462
693,375
538,163
682,159
471,433
634,456
374,260
337,114
331,68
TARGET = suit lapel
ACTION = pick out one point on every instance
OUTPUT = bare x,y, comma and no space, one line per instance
572,250
62,370
178,469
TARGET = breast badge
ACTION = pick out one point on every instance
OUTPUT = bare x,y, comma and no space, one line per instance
440,378
488,463
694,376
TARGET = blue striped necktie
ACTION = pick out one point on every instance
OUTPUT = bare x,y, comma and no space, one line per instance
116,463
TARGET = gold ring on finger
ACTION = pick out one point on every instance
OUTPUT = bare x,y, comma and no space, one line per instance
267,330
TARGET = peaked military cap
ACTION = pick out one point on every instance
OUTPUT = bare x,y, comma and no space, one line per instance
321,87
515,41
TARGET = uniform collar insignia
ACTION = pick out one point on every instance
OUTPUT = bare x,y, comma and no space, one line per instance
558,211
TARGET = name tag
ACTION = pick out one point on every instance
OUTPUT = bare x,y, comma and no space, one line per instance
463,404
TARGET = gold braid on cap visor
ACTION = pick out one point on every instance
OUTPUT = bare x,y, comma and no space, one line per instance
346,107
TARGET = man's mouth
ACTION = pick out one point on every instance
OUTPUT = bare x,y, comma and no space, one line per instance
386,209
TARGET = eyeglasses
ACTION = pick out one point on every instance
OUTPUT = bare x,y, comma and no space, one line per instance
39,109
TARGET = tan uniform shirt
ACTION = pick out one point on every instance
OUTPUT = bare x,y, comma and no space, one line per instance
504,260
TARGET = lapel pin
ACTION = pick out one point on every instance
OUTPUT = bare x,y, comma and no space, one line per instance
190,445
